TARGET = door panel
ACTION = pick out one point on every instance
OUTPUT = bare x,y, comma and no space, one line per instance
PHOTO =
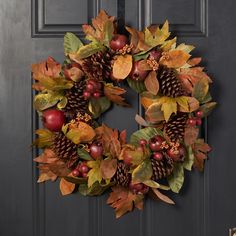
32,31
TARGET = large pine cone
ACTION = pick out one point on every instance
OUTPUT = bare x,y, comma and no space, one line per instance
162,168
170,85
65,149
76,103
98,66
122,175
175,127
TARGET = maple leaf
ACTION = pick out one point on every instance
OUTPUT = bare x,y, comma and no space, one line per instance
200,150
110,141
123,200
102,28
113,93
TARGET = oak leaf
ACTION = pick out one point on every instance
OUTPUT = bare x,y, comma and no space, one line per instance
123,200
122,66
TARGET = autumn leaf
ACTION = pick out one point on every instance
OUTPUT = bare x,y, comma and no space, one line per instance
151,83
71,43
194,61
81,133
45,176
99,106
123,135
66,187
200,89
200,150
122,66
168,45
183,103
169,106
154,113
108,168
113,93
142,172
193,105
48,156
139,119
74,74
102,28
95,174
176,179
160,196
45,138
174,58
207,108
147,99
137,86
190,135
184,47
123,200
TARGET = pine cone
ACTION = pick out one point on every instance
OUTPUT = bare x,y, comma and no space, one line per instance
75,100
98,66
122,175
65,149
175,127
170,85
162,168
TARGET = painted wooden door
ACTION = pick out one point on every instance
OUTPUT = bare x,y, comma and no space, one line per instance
32,30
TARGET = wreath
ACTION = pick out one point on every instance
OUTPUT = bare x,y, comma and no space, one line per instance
92,158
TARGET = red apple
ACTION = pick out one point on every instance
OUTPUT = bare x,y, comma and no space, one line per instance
53,119
137,73
118,42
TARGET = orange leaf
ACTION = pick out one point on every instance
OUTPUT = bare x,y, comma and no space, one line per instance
151,83
123,135
123,200
66,187
122,66
113,94
108,168
194,61
48,156
46,175
154,114
174,58
147,99
190,135
162,197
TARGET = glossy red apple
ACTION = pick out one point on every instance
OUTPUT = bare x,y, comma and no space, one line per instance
118,42
53,119
137,73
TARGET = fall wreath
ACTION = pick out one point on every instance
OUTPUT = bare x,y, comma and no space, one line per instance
90,157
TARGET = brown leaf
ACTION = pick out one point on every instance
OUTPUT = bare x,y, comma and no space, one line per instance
147,99
123,200
122,66
113,93
66,187
139,119
143,65
200,150
193,105
74,73
151,83
174,58
154,114
47,157
194,61
108,168
160,196
46,175
123,135
190,135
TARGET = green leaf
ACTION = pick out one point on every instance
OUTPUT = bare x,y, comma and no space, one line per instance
98,106
200,89
141,55
62,103
88,50
45,138
71,43
207,98
176,180
142,172
83,154
189,159
151,183
207,108
145,133
75,180
108,32
137,86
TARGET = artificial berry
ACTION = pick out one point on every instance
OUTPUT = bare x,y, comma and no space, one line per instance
83,168
192,122
118,42
199,122
136,187
155,54
177,154
155,143
96,95
86,94
84,175
75,173
157,156
137,73
90,88
144,190
96,150
143,142
199,114
53,119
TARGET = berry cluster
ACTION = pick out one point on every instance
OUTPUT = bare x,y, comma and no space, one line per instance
138,188
196,120
93,89
81,170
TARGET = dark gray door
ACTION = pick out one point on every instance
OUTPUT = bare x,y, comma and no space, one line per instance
29,32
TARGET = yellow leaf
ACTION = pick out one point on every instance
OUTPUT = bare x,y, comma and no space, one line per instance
185,47
66,187
95,173
147,99
183,103
174,58
169,44
122,66
169,106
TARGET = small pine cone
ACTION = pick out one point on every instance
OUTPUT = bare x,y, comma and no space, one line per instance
65,149
162,168
98,66
76,103
170,85
175,127
122,175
